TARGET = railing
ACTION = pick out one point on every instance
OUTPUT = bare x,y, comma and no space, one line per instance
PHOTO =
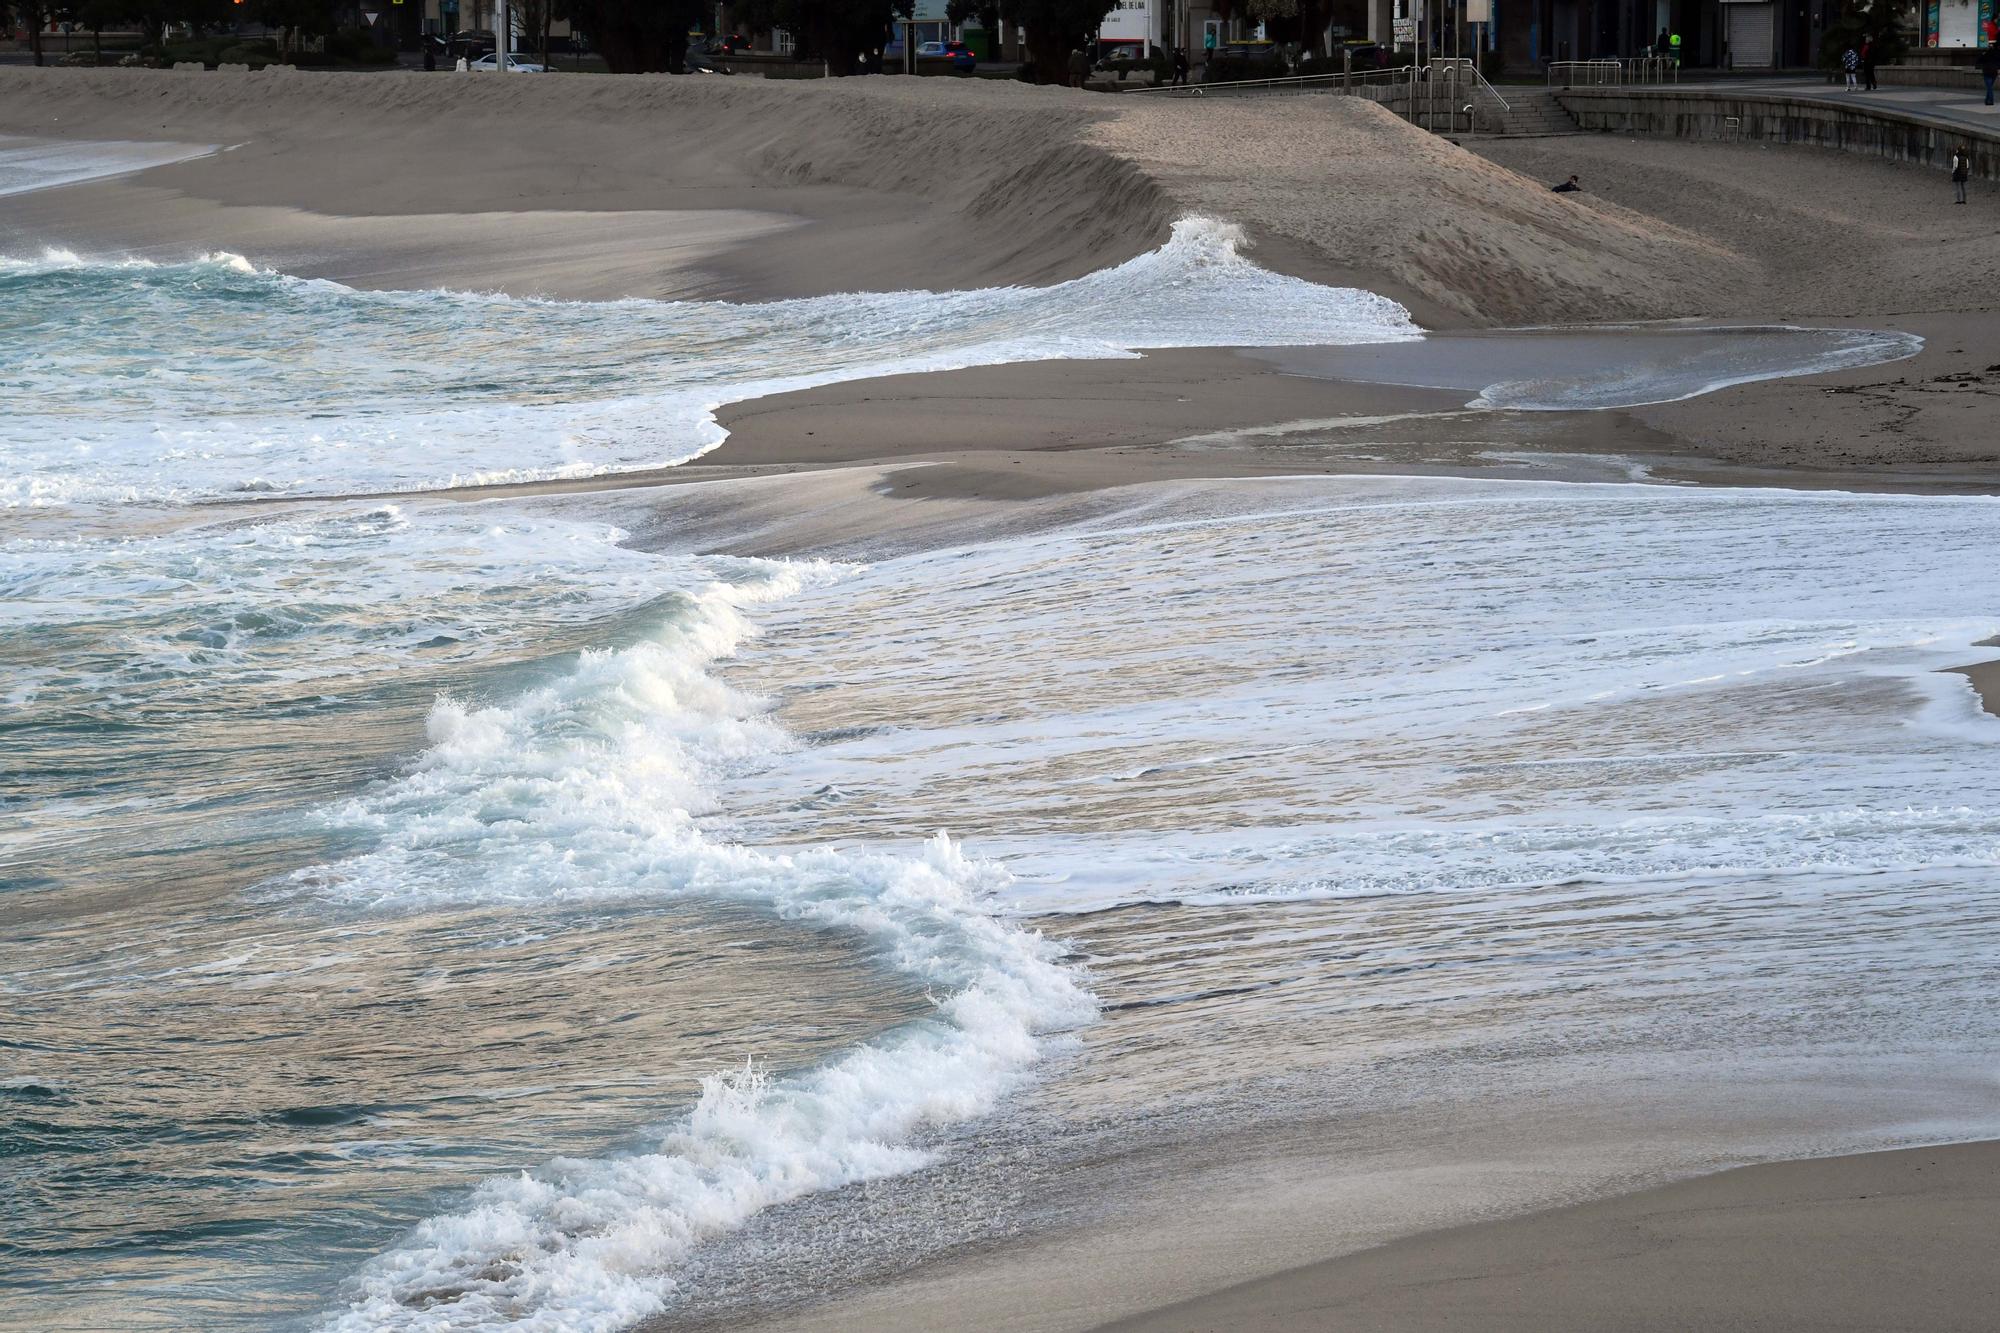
1653,69
1612,73
1363,79
1463,70
1422,83
1585,73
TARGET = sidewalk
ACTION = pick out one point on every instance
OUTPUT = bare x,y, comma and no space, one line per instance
1950,105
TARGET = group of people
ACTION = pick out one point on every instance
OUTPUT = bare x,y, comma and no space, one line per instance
1858,63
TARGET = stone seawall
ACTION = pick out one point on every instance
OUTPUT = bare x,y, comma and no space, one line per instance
1766,117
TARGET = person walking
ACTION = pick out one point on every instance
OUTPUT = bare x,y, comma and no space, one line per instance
1180,67
1989,68
1850,60
1961,171
1867,64
1079,68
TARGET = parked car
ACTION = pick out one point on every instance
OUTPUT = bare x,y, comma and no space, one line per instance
1367,55
515,64
1239,60
704,57
1121,55
470,43
1255,53
957,53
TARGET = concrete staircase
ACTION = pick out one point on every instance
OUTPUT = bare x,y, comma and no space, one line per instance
1529,111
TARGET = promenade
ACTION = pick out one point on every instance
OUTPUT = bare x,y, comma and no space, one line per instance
1954,105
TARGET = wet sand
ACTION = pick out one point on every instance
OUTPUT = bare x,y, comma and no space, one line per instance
1892,1240
1924,424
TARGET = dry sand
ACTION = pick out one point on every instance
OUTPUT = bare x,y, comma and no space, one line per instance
933,182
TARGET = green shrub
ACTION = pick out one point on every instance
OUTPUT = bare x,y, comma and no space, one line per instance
254,54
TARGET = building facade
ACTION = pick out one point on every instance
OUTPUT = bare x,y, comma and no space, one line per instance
1136,20
1714,34
1959,25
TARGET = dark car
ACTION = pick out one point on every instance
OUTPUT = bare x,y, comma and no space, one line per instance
705,56
1367,55
471,43
1240,60
1121,55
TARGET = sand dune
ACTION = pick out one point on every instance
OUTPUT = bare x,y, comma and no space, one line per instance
937,183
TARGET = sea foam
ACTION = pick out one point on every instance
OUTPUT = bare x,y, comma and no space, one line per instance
591,788
412,390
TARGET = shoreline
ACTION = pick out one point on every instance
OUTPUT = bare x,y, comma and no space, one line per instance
898,462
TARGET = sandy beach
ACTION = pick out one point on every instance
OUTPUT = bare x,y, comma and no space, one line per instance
1890,1240
744,190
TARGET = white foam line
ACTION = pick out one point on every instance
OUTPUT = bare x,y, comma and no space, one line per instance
587,789
28,165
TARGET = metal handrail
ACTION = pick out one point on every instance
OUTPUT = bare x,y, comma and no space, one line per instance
1459,70
1301,83
1589,72
1457,63
1638,70
1653,69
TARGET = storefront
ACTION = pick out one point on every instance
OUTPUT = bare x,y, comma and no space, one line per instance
1750,34
1961,25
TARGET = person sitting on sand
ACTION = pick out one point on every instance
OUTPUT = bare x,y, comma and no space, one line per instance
1961,171
1570,186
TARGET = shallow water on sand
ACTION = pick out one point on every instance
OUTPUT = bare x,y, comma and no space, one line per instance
42,164
1575,835
411,921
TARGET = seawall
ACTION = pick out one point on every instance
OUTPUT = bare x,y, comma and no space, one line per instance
1767,117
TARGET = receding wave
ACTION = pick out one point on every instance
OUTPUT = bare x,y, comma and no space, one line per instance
282,385
589,788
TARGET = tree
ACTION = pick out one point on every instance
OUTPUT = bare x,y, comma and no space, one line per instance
834,31
986,11
97,15
293,20
1879,21
34,15
638,36
1055,28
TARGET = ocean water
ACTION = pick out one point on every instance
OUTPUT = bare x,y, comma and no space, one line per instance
273,385
439,915
44,164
